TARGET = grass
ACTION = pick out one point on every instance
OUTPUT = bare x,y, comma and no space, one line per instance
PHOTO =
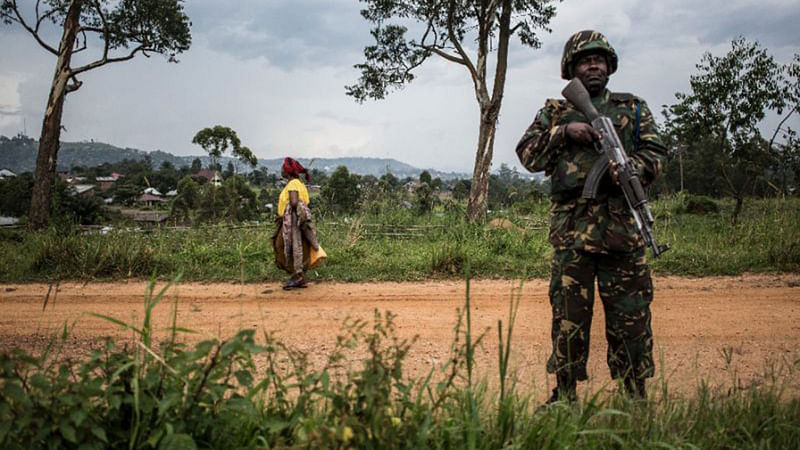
390,244
243,392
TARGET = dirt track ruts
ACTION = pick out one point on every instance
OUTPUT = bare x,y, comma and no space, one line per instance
756,318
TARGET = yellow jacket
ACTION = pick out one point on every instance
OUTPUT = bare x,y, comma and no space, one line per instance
293,185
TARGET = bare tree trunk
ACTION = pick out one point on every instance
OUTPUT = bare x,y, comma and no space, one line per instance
738,208
479,190
44,176
490,111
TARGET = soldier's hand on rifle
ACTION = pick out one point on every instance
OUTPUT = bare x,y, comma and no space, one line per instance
613,170
582,132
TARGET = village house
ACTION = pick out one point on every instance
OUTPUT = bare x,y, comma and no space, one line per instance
71,179
211,176
106,183
153,217
83,190
150,197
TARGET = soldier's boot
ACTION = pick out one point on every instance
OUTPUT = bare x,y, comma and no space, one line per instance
566,390
635,388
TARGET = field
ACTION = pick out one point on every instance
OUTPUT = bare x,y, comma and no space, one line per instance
387,243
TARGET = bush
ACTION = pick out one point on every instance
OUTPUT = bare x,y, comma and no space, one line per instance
700,205
448,259
72,255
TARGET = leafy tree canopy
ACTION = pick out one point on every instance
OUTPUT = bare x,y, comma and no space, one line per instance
125,27
722,115
218,139
443,28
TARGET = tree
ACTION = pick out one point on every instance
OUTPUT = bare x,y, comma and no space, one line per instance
125,27
229,170
15,194
787,153
444,28
424,198
125,192
188,198
461,189
425,177
389,183
341,193
197,165
241,202
729,99
218,139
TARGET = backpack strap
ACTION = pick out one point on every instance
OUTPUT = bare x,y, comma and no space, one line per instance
625,97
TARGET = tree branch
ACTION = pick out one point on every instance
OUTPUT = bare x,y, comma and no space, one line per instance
780,125
83,47
502,53
105,60
30,30
444,54
40,19
75,85
452,34
728,180
102,16
93,30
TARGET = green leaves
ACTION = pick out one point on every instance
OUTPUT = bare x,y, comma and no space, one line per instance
720,121
156,26
218,139
441,28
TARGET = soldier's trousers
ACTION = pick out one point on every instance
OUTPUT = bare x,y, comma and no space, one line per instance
626,290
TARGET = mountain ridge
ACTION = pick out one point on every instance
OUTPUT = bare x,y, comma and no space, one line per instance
19,155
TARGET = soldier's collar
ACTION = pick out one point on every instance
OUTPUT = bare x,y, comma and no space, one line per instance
602,98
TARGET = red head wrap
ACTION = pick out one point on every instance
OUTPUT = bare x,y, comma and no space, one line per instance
293,169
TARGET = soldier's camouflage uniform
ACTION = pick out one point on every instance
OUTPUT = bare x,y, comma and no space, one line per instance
595,238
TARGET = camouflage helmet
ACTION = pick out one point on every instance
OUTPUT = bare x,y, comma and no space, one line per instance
584,41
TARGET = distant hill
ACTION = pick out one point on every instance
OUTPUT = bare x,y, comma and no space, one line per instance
19,155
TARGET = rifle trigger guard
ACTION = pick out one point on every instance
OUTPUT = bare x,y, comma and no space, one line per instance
599,169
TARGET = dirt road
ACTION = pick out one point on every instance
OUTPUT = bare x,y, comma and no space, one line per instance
753,319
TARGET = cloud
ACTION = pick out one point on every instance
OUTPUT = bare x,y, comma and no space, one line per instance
8,110
285,33
275,71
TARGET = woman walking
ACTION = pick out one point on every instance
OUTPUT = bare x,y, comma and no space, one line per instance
295,225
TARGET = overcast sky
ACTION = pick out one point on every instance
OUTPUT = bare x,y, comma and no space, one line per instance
275,71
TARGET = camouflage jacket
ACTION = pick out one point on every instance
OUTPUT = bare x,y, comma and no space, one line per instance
605,224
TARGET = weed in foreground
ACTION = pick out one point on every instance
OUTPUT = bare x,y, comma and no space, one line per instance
240,393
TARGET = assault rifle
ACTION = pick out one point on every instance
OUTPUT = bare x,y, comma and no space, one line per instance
611,146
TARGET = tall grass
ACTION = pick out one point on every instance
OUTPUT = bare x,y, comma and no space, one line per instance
241,392
396,244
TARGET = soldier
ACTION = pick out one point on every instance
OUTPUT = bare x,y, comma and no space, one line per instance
595,238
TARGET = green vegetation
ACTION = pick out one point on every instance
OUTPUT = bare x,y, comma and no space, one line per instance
719,131
242,392
401,46
393,243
